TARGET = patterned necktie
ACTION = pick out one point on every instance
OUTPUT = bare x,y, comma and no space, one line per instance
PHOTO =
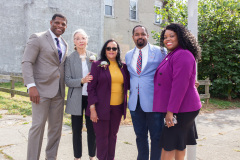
59,50
139,62
139,65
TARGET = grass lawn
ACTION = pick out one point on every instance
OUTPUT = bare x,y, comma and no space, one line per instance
218,104
19,105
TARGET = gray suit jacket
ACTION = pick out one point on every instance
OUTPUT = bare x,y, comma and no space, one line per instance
40,65
73,76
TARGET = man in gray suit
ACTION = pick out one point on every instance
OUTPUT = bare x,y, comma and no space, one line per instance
43,73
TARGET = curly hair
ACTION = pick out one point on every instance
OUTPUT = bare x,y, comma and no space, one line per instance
185,39
103,53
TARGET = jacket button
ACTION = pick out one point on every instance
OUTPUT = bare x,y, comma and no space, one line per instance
160,73
159,84
57,76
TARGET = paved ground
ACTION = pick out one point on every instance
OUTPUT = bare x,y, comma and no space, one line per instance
219,138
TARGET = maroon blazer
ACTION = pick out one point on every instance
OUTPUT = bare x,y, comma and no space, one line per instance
99,90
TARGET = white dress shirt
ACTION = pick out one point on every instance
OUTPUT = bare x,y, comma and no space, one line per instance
144,57
61,42
84,73
63,48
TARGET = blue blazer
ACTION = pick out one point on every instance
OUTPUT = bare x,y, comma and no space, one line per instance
144,80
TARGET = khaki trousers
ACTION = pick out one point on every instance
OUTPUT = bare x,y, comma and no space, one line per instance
51,110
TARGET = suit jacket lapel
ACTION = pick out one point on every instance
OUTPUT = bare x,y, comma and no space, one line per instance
130,62
107,73
162,63
77,65
51,42
151,56
88,61
167,58
65,54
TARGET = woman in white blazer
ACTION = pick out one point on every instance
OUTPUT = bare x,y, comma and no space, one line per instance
77,68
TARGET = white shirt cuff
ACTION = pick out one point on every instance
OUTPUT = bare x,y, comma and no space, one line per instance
30,85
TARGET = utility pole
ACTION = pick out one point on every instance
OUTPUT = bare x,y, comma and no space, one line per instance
193,27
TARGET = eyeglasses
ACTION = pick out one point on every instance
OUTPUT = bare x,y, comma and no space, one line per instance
109,48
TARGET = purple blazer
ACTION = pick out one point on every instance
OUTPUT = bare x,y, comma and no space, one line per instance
99,90
174,83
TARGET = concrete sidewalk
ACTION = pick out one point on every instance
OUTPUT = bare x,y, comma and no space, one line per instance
219,138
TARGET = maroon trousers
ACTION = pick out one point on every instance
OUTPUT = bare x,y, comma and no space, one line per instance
106,133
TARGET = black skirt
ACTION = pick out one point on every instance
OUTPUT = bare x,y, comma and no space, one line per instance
182,134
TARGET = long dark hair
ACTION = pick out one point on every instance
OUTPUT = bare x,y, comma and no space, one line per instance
103,53
185,39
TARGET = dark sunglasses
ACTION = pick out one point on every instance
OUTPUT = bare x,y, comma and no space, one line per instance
109,48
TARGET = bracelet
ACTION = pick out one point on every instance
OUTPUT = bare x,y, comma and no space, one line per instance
82,81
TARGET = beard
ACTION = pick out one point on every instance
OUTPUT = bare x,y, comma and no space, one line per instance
140,44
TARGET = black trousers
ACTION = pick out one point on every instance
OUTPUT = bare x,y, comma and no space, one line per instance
77,124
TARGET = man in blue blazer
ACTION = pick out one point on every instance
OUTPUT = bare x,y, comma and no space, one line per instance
142,62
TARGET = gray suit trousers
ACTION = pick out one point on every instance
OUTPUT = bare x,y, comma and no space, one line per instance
51,110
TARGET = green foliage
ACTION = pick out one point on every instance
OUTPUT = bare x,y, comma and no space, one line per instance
171,12
219,38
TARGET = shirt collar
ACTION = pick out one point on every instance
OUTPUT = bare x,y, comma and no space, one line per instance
144,49
52,34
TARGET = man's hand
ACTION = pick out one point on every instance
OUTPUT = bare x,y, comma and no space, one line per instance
34,95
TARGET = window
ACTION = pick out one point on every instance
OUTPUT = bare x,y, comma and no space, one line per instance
133,9
108,7
158,17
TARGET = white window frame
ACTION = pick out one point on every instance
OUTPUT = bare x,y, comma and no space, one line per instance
157,17
158,4
136,1
111,5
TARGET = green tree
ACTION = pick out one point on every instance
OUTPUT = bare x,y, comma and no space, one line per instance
219,38
173,11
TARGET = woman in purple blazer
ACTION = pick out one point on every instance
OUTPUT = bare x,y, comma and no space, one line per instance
174,91
107,98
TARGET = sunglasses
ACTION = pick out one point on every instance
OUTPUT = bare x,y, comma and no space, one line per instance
109,48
